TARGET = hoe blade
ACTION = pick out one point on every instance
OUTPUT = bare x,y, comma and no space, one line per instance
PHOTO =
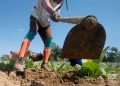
84,43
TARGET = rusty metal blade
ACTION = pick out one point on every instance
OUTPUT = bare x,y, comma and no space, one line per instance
84,43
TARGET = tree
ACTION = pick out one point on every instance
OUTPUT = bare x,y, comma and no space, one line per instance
118,58
55,52
5,57
112,54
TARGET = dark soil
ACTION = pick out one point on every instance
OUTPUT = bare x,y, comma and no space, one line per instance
36,77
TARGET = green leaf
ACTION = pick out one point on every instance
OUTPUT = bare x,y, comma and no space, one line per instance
61,67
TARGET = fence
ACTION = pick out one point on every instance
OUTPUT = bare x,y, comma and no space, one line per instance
113,63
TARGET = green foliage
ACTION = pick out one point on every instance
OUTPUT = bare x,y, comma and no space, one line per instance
62,66
55,52
31,64
104,69
2,66
113,55
4,58
56,66
68,67
102,56
7,65
91,68
10,64
96,67
112,69
110,72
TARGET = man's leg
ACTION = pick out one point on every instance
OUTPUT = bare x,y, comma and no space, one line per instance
26,43
46,54
46,36
24,47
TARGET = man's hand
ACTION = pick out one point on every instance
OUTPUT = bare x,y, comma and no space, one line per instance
90,21
55,16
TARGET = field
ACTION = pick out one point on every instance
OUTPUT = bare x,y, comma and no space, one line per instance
63,75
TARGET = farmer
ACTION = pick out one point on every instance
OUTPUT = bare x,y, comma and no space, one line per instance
39,23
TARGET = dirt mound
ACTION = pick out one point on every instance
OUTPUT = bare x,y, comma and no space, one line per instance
36,77
5,80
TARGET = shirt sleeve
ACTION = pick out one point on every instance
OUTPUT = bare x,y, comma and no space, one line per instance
47,6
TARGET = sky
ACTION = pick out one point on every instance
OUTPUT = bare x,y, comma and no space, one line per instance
14,22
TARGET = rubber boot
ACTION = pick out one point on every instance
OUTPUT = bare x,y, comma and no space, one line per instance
44,66
19,67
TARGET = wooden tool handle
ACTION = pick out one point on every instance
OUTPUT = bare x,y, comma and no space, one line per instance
73,20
